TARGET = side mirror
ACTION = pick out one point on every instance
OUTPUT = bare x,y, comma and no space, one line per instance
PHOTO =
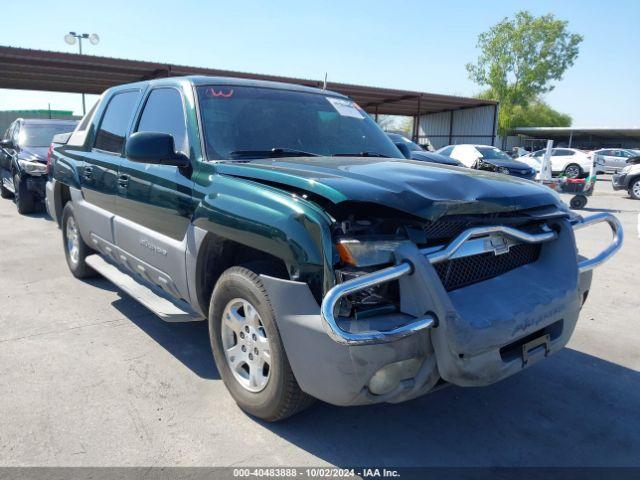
7,143
404,149
154,147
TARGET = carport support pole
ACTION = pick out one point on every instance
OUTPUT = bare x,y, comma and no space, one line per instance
570,139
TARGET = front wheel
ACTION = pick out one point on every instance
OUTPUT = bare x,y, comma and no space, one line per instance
634,189
573,170
248,349
25,201
75,249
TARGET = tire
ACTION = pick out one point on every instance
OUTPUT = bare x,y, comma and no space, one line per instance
4,193
578,202
24,199
274,395
634,189
573,170
76,259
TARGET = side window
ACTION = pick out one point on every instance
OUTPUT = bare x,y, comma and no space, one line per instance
559,152
163,112
604,152
540,153
447,151
115,122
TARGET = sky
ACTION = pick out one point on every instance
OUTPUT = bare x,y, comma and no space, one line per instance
414,45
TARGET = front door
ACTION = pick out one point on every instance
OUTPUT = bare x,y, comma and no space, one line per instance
154,203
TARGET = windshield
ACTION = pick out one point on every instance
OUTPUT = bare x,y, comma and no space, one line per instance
397,138
254,122
489,153
40,135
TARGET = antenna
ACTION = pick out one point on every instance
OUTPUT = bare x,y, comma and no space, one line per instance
324,85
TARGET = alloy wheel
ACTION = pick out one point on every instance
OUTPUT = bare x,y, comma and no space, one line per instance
73,240
246,347
636,189
572,171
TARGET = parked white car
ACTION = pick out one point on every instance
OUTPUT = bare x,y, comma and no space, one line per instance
570,162
486,157
614,159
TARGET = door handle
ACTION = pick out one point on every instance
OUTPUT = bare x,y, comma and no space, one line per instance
123,180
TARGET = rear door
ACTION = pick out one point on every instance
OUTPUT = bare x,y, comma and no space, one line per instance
154,202
99,171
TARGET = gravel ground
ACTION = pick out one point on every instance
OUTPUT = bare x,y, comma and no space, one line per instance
90,378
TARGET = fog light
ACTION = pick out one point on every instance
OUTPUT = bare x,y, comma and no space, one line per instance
389,377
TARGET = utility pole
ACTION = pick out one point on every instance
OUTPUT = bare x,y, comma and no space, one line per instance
71,38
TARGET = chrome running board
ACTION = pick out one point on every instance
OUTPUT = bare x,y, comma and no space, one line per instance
153,298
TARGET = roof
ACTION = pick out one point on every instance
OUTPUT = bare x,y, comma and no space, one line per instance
69,72
565,131
47,120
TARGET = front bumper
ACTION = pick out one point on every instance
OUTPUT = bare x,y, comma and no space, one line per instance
619,181
35,184
471,336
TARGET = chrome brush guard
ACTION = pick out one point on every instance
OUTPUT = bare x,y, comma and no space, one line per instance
474,241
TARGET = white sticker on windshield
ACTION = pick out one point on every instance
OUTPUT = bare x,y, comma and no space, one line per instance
346,108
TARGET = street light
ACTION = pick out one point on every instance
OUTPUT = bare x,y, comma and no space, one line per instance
71,37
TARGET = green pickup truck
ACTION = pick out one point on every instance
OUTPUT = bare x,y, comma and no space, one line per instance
327,265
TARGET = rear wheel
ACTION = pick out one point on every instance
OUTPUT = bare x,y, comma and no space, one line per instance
573,170
75,249
248,350
634,189
25,200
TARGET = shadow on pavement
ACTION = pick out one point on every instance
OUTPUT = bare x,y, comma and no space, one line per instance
187,342
571,410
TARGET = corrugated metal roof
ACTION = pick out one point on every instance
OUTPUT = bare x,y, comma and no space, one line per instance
27,69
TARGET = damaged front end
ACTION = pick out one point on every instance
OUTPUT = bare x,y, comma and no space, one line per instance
465,299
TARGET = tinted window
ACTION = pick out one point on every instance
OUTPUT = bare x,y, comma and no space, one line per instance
492,153
163,113
559,152
539,153
446,151
240,121
604,152
115,121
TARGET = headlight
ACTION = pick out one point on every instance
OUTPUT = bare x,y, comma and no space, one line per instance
33,168
366,253
626,169
360,257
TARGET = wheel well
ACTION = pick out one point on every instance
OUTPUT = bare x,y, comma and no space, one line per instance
217,254
61,196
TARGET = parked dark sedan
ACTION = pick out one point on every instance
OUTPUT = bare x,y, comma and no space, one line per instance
415,152
23,159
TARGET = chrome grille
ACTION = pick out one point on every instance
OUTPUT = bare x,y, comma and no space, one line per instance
461,272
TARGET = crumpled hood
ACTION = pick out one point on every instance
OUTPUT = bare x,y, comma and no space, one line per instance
407,185
33,154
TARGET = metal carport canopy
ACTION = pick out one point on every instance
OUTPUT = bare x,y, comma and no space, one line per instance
28,69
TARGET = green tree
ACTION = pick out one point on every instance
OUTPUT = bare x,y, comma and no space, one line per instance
538,113
520,58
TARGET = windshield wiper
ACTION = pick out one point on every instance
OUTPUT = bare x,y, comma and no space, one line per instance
361,154
273,153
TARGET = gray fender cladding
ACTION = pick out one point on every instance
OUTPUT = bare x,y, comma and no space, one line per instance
329,371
